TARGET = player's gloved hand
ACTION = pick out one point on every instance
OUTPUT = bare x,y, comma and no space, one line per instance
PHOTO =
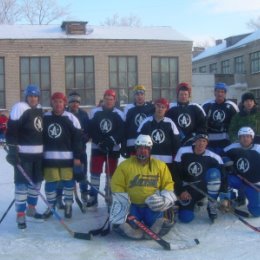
78,172
13,157
225,201
161,201
107,144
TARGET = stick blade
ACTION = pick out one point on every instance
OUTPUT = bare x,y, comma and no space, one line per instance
84,236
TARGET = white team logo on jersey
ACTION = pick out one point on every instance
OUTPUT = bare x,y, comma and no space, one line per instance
242,165
158,136
219,115
38,123
54,130
195,169
184,120
105,125
139,118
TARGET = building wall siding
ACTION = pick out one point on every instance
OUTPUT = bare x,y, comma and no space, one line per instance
57,50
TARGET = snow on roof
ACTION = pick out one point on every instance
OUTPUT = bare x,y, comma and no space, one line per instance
93,32
210,51
222,47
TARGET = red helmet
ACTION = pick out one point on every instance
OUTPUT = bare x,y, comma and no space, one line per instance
110,92
59,95
183,86
162,101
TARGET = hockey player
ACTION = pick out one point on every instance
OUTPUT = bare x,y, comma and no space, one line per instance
74,100
107,132
24,138
163,131
147,183
3,127
189,118
201,167
219,113
246,163
248,116
134,115
62,138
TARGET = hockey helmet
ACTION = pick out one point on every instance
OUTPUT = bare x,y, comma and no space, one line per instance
74,97
110,92
144,140
183,86
246,131
201,135
59,95
32,90
139,89
162,101
221,86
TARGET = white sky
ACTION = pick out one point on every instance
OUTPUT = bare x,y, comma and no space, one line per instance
199,20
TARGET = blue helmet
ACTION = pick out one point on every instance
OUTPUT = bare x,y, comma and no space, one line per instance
31,90
221,85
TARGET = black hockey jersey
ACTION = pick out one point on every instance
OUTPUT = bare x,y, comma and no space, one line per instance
165,136
24,129
134,116
189,118
106,123
190,167
218,119
62,139
246,161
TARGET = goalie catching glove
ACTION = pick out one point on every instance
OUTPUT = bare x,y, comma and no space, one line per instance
120,207
161,201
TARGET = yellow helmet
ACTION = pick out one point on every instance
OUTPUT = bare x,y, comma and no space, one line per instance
139,88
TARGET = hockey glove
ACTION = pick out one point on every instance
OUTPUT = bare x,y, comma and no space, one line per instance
161,201
107,144
119,208
13,156
225,201
78,172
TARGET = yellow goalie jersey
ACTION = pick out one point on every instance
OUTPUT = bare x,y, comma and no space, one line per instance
141,181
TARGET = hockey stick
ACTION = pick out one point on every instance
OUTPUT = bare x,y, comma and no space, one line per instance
77,199
85,236
257,229
249,183
166,245
9,207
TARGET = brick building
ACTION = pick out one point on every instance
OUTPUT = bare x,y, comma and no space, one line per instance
90,59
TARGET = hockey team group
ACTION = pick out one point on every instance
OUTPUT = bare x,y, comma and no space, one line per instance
177,156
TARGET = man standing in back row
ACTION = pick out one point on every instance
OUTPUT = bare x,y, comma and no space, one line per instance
219,113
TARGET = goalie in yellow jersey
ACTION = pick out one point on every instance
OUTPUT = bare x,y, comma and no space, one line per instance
142,187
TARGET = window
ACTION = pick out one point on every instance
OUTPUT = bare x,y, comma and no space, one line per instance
123,77
213,68
202,69
80,78
2,83
164,77
225,67
239,65
255,62
36,70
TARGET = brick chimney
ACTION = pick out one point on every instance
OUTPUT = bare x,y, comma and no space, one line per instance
74,27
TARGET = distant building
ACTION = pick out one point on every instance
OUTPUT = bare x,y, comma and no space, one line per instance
234,60
90,59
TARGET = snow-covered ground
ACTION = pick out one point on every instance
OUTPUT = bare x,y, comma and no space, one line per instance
228,238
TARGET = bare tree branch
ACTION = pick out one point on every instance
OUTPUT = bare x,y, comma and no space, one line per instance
116,20
9,11
254,23
43,11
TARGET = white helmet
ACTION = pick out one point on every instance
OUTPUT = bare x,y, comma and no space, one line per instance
144,140
246,131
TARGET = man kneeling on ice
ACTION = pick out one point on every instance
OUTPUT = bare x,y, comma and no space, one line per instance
142,187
